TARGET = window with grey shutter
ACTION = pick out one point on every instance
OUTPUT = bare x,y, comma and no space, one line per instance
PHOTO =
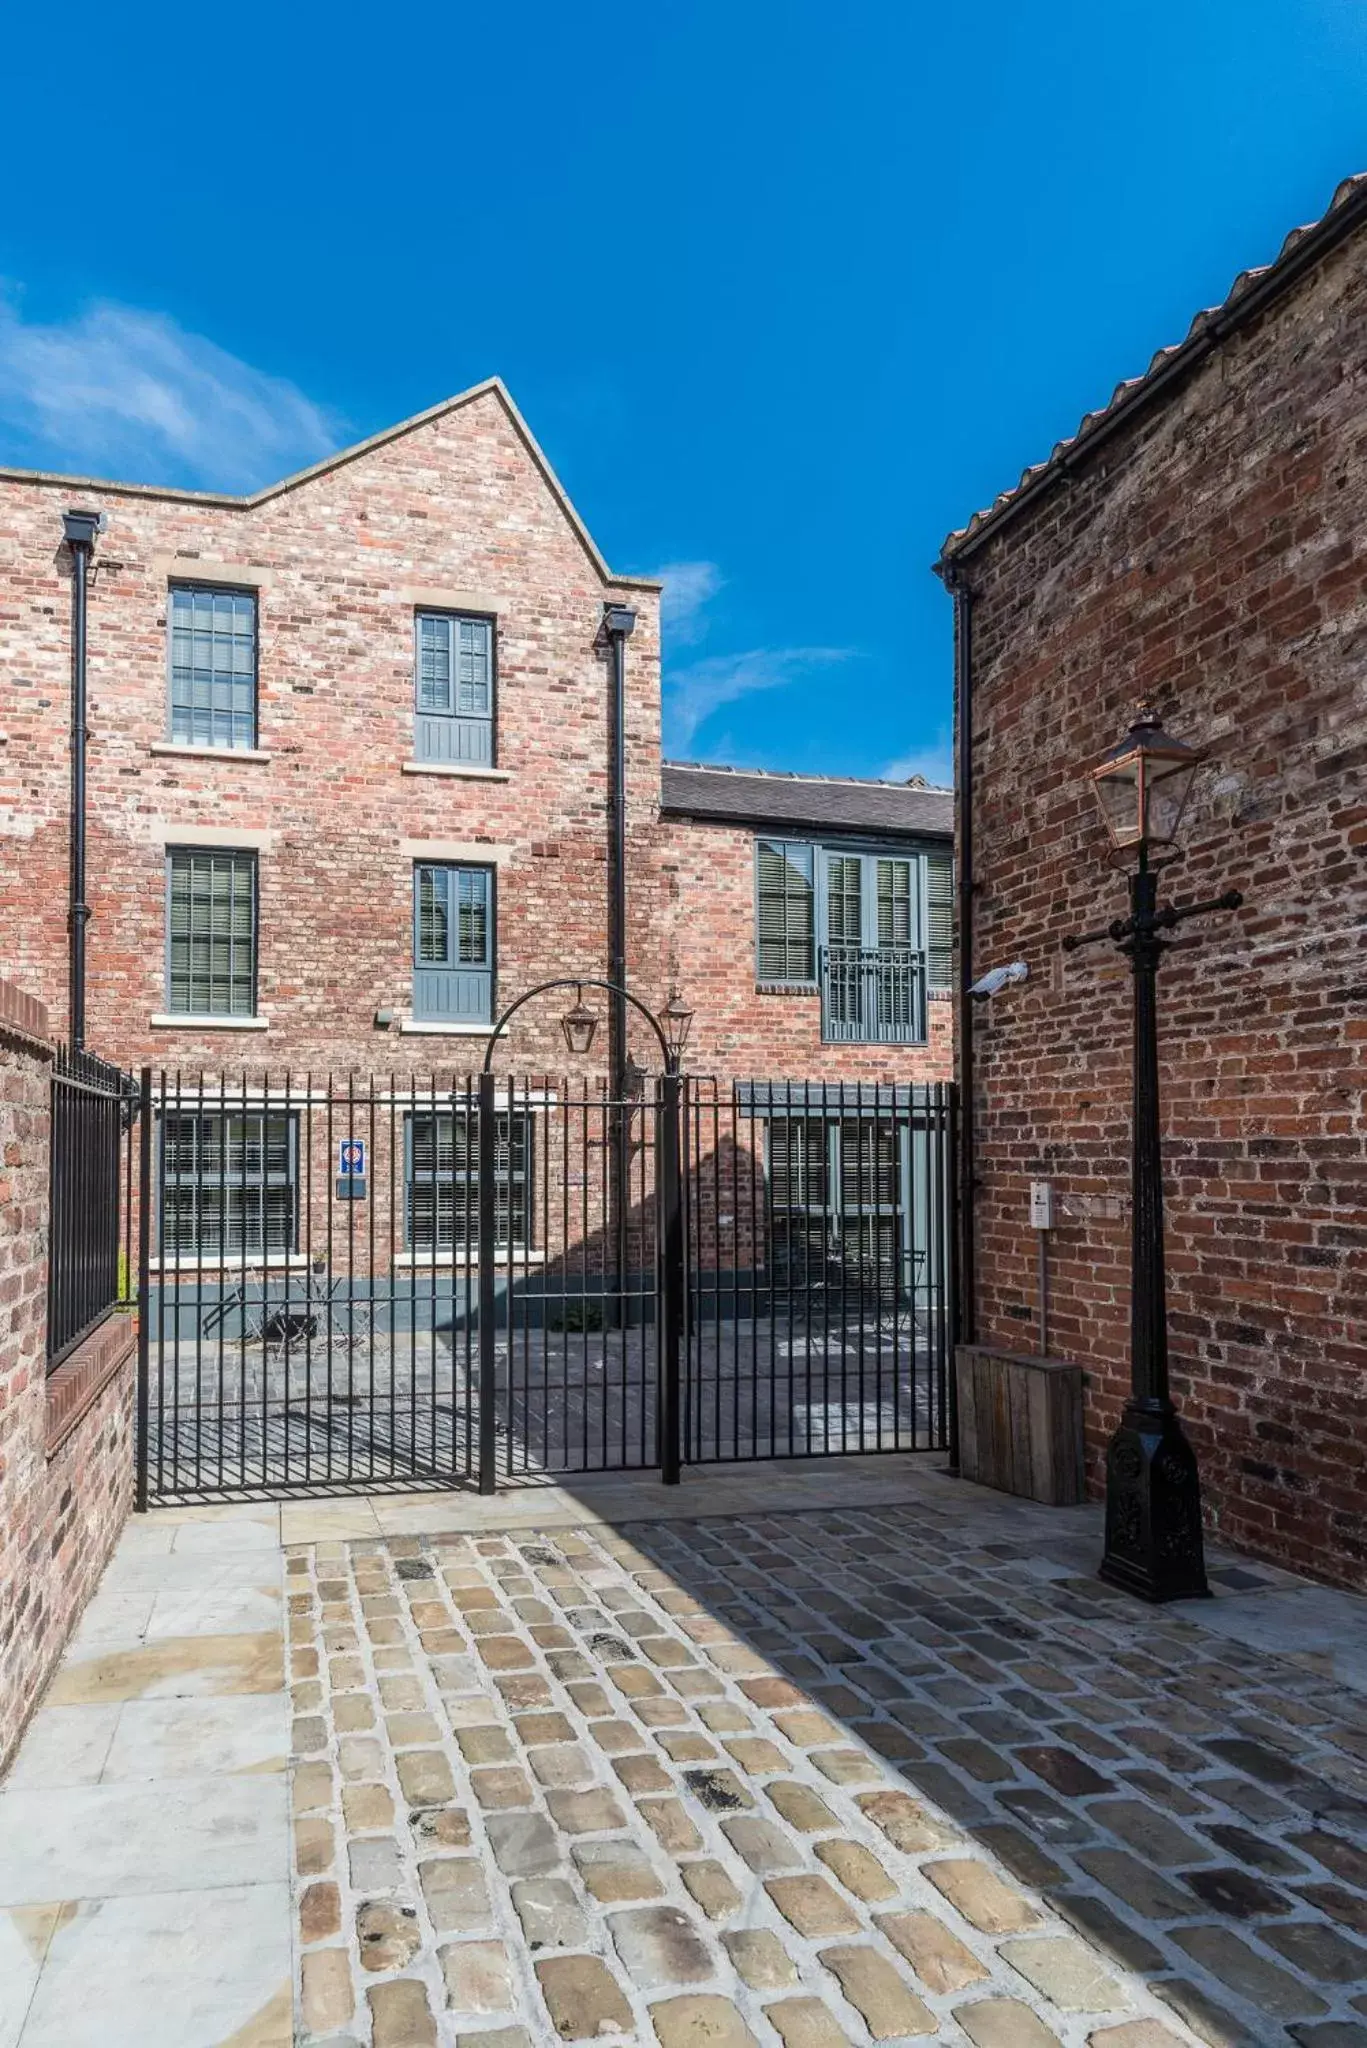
230,1184
895,921
785,909
940,919
454,720
453,944
835,1199
441,1180
213,666
211,932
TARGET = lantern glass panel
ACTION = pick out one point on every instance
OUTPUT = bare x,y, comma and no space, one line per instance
579,1026
676,1021
1167,793
1118,793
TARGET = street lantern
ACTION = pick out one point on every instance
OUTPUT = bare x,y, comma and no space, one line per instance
579,1025
1153,1488
1142,786
676,1021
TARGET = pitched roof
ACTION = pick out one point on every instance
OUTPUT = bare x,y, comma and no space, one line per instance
491,387
819,803
1250,293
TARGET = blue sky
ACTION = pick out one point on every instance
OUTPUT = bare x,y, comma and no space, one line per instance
785,289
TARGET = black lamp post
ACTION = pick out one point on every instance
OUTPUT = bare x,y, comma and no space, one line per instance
1153,1489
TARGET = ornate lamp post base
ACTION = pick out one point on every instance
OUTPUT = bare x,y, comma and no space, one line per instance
1153,1508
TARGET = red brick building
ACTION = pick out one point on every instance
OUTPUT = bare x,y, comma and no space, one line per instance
349,784
1195,543
350,791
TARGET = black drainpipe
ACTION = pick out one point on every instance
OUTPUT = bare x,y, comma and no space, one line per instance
79,530
618,624
966,1320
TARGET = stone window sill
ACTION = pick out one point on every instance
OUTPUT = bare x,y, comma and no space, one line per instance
436,1027
420,1262
76,1385
458,768
187,750
254,1263
787,988
167,1021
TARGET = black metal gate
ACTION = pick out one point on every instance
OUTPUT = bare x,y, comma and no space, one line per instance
392,1283
818,1230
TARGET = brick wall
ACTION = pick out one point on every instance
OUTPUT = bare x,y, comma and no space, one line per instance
1210,558
66,1454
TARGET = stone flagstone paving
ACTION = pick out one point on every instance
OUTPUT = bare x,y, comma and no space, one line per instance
806,1779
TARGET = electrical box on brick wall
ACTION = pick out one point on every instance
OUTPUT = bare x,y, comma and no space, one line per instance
1041,1205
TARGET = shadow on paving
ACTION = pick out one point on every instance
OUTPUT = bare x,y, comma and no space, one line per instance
872,1772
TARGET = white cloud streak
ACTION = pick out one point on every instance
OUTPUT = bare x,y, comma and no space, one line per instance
694,692
124,392
689,587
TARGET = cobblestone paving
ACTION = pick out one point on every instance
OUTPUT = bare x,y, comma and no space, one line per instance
804,1779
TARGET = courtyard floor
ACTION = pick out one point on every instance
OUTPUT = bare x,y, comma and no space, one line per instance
793,1755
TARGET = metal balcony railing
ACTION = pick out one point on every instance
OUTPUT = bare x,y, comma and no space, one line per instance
873,995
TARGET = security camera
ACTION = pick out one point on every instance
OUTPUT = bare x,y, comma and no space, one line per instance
998,978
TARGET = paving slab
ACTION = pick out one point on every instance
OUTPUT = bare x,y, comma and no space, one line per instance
145,1873
169,1970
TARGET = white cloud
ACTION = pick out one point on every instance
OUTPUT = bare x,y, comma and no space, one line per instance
694,692
698,688
935,762
118,391
688,589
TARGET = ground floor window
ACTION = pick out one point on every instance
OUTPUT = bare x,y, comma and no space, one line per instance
230,1184
837,1196
441,1180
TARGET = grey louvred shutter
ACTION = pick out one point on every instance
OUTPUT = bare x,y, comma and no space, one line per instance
940,915
785,911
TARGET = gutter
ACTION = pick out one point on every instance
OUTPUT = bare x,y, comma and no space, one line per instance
1314,245
781,827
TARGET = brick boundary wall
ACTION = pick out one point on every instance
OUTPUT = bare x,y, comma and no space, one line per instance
1206,559
66,1441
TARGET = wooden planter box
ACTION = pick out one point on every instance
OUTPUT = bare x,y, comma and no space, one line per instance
1020,1424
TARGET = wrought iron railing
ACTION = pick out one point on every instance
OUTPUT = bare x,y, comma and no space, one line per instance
873,995
88,1267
